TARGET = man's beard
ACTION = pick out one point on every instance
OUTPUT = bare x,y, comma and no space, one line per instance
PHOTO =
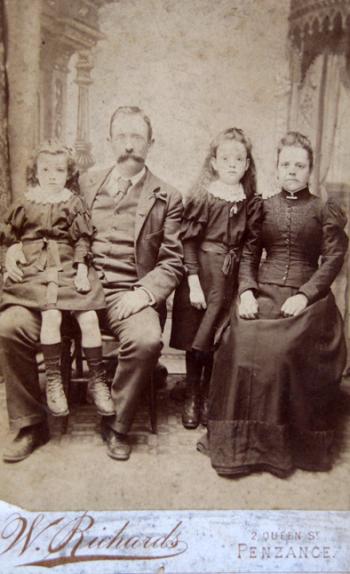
126,156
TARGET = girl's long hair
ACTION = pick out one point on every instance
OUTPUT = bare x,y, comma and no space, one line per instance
54,147
199,190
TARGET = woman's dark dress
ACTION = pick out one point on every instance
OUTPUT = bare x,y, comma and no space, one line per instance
212,234
55,238
275,379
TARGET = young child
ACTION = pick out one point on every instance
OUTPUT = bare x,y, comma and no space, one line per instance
218,210
53,225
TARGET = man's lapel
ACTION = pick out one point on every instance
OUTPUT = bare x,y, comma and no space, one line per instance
92,183
147,199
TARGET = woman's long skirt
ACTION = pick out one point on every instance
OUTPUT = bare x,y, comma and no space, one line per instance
274,387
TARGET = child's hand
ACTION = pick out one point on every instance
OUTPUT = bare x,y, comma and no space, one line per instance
82,284
81,280
197,298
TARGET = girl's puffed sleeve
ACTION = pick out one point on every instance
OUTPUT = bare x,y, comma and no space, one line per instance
12,229
81,232
252,247
195,219
333,250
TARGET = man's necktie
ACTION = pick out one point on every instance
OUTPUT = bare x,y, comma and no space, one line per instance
123,185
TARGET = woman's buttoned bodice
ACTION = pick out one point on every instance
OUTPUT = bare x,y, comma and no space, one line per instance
292,238
304,241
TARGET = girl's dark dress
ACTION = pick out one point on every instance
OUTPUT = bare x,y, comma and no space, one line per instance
55,238
275,378
212,233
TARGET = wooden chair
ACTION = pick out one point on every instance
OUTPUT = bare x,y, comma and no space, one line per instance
73,372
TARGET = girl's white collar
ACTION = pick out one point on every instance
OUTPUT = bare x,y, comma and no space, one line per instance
39,195
227,192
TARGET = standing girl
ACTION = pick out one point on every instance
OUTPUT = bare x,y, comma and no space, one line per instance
53,225
221,212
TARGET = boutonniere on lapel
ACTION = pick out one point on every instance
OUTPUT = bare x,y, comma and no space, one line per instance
160,194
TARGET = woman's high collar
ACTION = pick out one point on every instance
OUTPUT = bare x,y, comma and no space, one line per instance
297,195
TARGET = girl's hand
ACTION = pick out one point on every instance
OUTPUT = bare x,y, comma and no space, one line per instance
197,298
248,306
81,280
82,284
294,305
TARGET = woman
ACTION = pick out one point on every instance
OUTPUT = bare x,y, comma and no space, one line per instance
279,363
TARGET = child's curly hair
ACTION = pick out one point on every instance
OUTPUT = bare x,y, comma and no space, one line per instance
54,147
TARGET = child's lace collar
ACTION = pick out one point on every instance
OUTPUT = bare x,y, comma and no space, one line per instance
226,192
40,195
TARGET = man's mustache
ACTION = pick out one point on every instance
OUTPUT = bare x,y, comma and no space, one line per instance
133,156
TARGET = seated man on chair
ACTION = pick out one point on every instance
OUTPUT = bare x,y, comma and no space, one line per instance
138,254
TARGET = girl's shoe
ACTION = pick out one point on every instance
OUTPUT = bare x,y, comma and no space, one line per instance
97,387
99,391
55,397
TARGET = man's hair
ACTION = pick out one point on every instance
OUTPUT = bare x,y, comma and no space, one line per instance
128,111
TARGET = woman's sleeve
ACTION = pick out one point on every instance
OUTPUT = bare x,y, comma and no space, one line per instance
81,232
334,247
252,247
193,224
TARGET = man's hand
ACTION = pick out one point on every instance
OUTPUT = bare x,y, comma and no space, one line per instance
294,305
132,302
248,306
197,298
15,256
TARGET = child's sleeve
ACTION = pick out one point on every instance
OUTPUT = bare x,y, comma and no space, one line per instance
81,232
12,228
252,248
194,221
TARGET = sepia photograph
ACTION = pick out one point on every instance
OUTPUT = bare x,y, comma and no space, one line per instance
175,272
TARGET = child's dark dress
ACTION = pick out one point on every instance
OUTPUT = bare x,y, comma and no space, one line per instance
55,238
213,233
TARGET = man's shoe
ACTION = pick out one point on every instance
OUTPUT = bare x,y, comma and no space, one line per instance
118,446
26,441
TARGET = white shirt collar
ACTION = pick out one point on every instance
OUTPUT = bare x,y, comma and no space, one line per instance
115,175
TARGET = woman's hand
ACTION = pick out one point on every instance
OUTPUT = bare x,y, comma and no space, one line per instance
294,305
248,306
81,280
197,298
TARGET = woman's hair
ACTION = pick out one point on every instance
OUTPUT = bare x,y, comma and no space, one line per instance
198,191
296,139
54,147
